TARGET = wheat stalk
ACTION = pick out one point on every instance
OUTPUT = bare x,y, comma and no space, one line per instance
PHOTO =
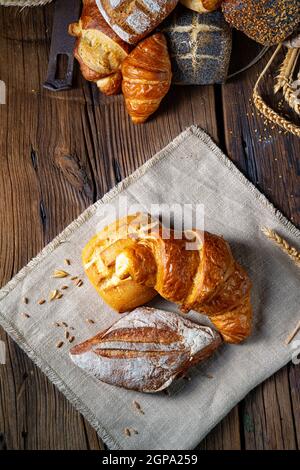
285,70
291,251
291,91
265,110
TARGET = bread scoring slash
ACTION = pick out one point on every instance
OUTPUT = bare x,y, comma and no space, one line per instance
146,350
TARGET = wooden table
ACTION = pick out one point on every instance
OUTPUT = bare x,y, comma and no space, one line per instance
60,153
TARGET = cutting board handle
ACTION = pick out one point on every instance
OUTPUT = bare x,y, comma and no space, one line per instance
62,44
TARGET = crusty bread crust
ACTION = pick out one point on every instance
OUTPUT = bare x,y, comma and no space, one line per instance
99,50
146,350
132,20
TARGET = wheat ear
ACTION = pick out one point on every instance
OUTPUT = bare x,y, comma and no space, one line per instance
291,251
285,69
265,110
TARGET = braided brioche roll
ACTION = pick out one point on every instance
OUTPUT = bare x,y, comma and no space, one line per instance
99,50
146,77
132,260
99,260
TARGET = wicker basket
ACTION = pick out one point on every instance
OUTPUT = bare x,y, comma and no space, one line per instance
23,3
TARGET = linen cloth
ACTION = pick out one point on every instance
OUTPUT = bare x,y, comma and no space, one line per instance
190,170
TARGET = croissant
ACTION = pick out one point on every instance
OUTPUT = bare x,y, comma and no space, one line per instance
206,279
146,77
99,50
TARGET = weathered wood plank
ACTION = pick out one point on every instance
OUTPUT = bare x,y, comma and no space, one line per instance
58,154
36,203
269,158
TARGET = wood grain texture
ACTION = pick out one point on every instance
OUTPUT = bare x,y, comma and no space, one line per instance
61,152
270,159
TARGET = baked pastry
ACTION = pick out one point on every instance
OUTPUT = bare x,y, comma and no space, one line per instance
266,21
99,257
132,20
99,50
199,46
206,278
202,6
147,77
146,350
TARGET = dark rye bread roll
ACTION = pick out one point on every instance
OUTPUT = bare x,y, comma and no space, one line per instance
146,350
199,46
266,21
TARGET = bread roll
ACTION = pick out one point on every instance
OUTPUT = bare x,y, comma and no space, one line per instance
146,350
199,46
147,77
132,20
98,258
99,50
266,21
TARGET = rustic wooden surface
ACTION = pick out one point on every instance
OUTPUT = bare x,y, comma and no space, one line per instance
58,154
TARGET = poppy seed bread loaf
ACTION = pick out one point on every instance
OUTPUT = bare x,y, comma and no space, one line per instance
199,46
266,21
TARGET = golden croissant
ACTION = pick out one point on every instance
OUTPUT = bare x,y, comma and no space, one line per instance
147,77
130,261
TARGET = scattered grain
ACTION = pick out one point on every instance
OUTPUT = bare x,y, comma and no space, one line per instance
59,344
60,273
25,315
127,432
41,301
138,407
53,295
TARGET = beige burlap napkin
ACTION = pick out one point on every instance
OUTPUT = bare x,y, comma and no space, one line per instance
191,170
